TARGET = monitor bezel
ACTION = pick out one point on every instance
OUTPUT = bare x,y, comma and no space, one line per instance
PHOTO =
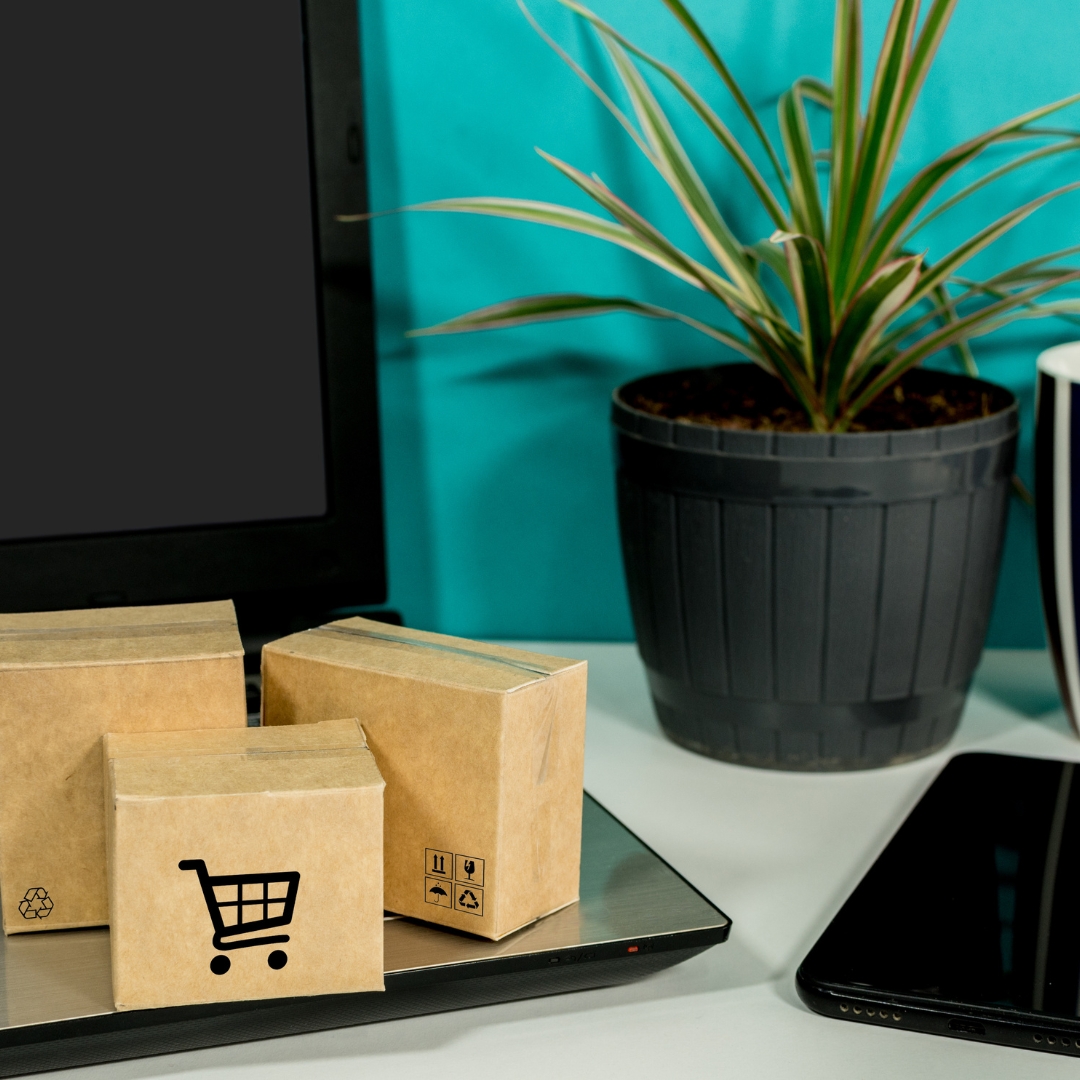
278,572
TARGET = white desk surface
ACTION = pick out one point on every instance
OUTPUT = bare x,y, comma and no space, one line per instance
778,852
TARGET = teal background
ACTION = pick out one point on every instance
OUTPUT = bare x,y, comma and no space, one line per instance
498,462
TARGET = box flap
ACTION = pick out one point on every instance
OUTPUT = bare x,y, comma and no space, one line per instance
373,646
332,755
125,635
327,735
285,772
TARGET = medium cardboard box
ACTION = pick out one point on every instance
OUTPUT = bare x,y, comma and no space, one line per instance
67,677
482,748
244,864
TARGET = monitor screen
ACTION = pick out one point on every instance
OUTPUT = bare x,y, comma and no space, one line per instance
159,338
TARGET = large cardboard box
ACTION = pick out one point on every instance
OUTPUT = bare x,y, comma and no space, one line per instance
482,748
244,864
67,677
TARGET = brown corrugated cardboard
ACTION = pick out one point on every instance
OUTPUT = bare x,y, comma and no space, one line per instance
244,864
482,748
67,677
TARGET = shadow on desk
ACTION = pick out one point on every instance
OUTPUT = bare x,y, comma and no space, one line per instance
725,967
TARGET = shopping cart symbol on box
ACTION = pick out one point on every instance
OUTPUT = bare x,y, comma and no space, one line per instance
246,904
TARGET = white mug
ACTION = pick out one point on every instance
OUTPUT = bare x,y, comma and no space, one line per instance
1057,499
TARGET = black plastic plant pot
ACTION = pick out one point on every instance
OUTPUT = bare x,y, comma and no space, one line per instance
807,601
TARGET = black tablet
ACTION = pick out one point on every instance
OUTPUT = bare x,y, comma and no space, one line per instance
969,923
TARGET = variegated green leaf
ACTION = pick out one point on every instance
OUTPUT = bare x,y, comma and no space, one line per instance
678,9
649,235
675,166
588,80
1060,275
814,90
546,308
1032,265
713,122
1056,308
979,323
786,365
922,56
1000,286
873,307
767,252
812,292
806,212
995,174
870,173
899,214
956,258
847,94
562,217
935,312
961,347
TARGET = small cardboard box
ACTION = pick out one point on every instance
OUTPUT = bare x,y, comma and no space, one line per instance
482,748
67,677
244,864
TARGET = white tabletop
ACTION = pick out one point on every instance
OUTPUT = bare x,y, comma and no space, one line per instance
779,852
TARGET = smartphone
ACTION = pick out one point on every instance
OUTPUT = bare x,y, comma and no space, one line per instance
968,924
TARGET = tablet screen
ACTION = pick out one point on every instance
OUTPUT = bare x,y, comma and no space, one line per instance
976,899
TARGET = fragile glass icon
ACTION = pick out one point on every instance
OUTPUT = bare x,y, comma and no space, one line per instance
469,870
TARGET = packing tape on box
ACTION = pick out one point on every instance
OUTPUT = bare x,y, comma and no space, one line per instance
310,753
473,654
108,633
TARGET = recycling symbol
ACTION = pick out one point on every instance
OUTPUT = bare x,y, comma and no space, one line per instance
35,904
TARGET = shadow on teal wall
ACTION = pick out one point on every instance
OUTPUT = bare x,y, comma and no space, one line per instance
499,489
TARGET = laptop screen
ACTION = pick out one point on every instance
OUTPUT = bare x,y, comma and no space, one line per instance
159,335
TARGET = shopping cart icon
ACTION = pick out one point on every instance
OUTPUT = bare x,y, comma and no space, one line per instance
241,904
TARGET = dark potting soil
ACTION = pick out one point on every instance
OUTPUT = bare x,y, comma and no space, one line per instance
745,396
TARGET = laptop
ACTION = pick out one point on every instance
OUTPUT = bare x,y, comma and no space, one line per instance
635,916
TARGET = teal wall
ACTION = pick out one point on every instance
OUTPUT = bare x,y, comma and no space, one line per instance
498,464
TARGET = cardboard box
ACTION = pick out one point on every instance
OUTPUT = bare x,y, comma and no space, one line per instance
244,864
482,748
67,677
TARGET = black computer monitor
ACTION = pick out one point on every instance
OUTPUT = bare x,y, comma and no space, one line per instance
188,399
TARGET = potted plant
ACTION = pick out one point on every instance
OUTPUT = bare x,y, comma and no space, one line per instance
811,538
